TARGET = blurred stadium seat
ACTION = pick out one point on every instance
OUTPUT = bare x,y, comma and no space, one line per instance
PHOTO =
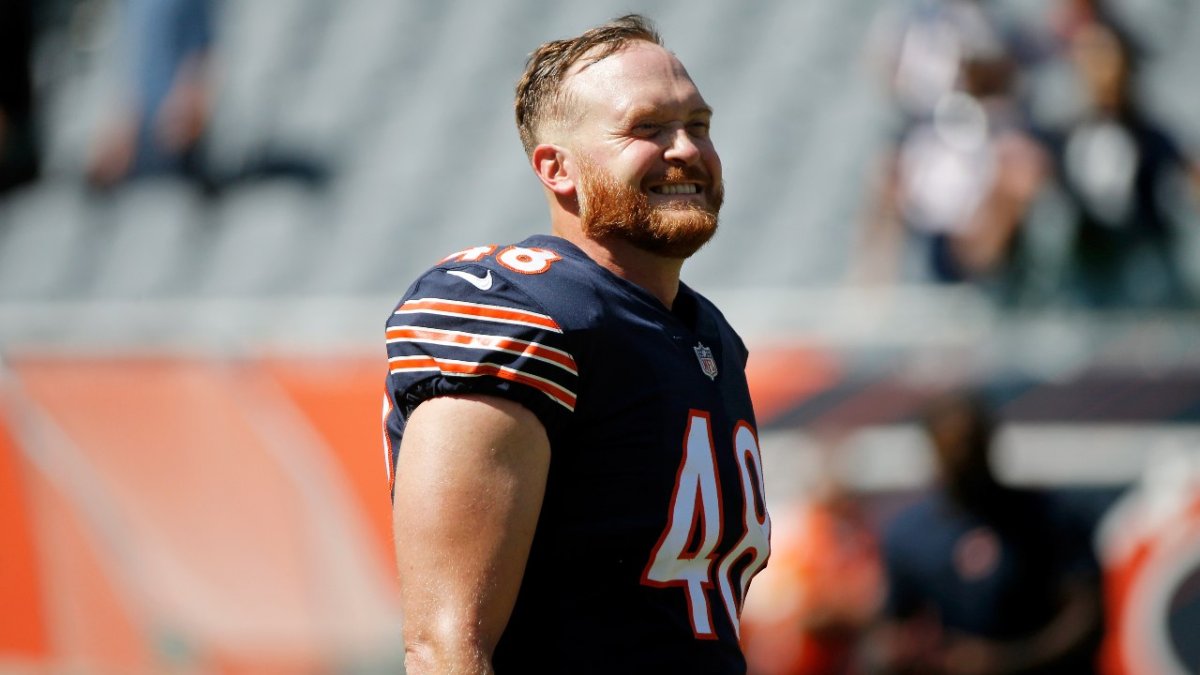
264,238
46,232
153,231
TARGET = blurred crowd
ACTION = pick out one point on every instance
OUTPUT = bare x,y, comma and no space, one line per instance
1023,157
1025,160
161,106
972,575
159,109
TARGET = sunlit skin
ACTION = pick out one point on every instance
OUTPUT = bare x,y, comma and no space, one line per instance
639,114
642,114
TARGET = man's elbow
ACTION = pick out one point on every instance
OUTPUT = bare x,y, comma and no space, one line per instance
419,657
448,649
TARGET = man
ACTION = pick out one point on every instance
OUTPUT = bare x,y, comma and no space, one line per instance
168,47
577,482
986,579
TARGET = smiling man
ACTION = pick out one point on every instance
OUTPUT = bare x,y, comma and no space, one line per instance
577,486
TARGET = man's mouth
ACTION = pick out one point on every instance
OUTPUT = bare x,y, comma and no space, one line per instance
676,189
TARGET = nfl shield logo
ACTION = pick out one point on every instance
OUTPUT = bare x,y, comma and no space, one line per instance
707,363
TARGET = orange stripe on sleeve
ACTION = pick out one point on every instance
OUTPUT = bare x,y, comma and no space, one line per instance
493,342
479,311
558,393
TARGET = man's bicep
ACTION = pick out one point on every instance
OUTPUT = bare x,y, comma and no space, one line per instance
470,476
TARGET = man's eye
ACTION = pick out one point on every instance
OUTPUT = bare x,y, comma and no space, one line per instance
646,128
698,128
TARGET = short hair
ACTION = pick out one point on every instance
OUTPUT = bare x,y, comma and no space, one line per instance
540,96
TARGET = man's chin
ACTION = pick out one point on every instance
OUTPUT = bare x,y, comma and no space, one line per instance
678,250
679,233
670,240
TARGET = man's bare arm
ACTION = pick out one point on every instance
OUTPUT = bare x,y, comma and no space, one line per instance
470,477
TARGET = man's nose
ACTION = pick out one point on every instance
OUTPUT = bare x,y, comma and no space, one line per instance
682,148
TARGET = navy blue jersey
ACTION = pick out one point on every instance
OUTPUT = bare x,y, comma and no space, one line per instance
653,521
997,575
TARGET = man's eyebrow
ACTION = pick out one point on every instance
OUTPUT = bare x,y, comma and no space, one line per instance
655,111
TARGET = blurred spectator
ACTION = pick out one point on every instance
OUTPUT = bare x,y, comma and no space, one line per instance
1068,17
18,143
982,577
964,169
821,590
1116,164
166,46
922,47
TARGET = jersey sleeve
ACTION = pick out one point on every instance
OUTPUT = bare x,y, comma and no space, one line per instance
452,336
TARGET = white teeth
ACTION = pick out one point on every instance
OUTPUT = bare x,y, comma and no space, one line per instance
678,189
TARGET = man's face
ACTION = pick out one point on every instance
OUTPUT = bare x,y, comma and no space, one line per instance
1102,65
961,448
646,171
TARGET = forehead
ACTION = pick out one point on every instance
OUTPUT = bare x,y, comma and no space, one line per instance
642,77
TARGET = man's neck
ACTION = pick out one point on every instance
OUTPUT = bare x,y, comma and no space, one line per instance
658,275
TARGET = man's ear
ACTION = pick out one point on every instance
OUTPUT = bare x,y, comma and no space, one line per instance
552,164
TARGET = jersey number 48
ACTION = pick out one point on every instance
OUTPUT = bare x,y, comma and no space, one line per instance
684,555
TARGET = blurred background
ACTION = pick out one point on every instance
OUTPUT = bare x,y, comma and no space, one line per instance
208,209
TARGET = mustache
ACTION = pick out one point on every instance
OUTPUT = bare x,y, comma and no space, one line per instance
686,174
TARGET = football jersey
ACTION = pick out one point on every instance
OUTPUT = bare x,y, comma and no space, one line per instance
654,519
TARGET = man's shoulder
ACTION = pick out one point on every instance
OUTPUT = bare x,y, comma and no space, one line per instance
542,275
479,322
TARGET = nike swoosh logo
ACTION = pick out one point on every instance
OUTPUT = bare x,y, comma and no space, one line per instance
483,283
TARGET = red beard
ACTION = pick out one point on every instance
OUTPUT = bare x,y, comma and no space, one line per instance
611,209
